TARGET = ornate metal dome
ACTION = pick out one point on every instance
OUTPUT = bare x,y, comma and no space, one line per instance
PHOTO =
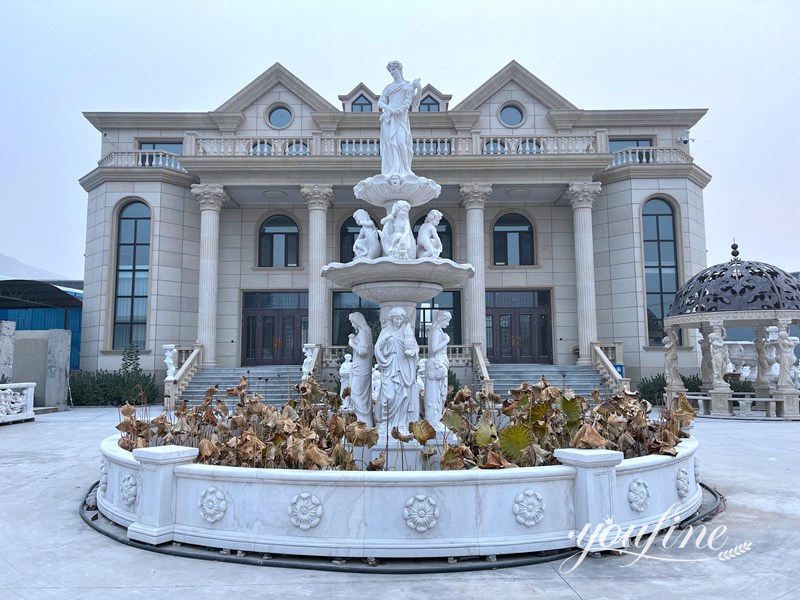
738,285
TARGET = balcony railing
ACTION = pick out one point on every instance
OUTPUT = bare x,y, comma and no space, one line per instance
318,145
157,159
649,156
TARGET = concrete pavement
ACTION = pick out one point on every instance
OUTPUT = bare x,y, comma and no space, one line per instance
48,552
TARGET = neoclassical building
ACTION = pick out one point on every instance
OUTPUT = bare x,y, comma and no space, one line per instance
211,228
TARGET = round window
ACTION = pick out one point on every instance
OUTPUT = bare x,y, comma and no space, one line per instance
511,115
279,117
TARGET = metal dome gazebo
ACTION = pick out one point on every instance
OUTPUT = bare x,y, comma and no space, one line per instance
742,293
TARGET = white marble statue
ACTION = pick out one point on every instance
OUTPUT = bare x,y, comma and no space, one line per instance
169,358
397,238
671,373
428,243
368,242
763,361
345,369
360,400
308,351
718,361
786,358
436,367
396,353
395,101
376,385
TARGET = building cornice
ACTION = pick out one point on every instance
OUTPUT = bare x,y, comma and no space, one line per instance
688,171
150,120
685,118
103,175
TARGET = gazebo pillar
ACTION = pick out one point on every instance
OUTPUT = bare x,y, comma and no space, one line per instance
761,384
721,395
785,390
706,368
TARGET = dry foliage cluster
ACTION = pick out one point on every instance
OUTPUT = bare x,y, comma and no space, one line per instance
312,432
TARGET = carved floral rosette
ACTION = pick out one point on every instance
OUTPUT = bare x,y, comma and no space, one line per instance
129,489
212,504
696,470
639,495
305,511
528,508
101,488
682,483
421,513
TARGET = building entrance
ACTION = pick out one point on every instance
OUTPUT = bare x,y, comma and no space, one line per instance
519,327
274,328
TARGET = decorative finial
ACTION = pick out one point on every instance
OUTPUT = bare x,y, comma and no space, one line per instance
735,251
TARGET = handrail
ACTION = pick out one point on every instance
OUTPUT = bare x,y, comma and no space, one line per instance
649,155
482,368
602,364
316,355
147,159
174,386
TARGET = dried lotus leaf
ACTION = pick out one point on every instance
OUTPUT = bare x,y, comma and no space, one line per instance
127,410
403,437
422,431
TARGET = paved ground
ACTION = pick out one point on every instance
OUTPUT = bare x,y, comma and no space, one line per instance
47,551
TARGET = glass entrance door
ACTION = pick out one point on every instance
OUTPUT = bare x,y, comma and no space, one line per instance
518,327
274,328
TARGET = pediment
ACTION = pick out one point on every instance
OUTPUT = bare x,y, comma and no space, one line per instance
359,90
526,80
277,74
442,99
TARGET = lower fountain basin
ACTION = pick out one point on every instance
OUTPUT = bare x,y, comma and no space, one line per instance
161,496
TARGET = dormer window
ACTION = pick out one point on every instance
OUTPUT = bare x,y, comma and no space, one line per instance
428,104
361,104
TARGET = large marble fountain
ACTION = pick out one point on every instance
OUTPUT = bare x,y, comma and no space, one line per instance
161,495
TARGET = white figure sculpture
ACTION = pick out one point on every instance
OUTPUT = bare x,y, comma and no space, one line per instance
786,359
397,239
436,367
308,351
763,361
396,353
395,101
706,368
376,385
169,358
428,243
360,400
368,243
718,361
344,373
671,373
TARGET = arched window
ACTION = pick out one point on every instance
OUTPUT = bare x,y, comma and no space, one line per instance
278,243
513,241
261,149
133,275
660,264
428,104
297,149
347,237
361,104
445,235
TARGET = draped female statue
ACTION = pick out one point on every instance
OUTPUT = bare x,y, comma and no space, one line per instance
361,370
395,101
437,366
396,353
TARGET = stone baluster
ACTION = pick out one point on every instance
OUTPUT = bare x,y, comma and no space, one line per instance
318,198
210,198
581,197
473,198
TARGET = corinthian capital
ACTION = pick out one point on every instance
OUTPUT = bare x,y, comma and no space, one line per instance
209,196
317,196
474,195
583,195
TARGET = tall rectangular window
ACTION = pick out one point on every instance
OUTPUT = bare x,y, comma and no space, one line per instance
660,264
133,276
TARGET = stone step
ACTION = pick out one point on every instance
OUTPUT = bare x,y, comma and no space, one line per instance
583,380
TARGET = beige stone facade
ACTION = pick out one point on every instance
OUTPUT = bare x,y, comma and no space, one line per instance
209,182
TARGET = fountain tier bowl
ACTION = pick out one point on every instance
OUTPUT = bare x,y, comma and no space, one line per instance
387,279
161,496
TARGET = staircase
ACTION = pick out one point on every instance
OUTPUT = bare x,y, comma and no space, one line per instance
578,378
273,383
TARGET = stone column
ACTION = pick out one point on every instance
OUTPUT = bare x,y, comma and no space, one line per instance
210,198
785,390
7,329
721,403
581,197
473,198
318,198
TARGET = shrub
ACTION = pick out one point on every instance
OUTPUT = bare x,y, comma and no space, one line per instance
692,383
111,388
741,386
652,388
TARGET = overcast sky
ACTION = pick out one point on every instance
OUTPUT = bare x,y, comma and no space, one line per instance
738,58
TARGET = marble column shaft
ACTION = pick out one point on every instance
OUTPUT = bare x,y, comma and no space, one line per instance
318,198
210,198
581,197
473,198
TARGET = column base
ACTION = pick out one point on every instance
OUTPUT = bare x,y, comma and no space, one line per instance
721,403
